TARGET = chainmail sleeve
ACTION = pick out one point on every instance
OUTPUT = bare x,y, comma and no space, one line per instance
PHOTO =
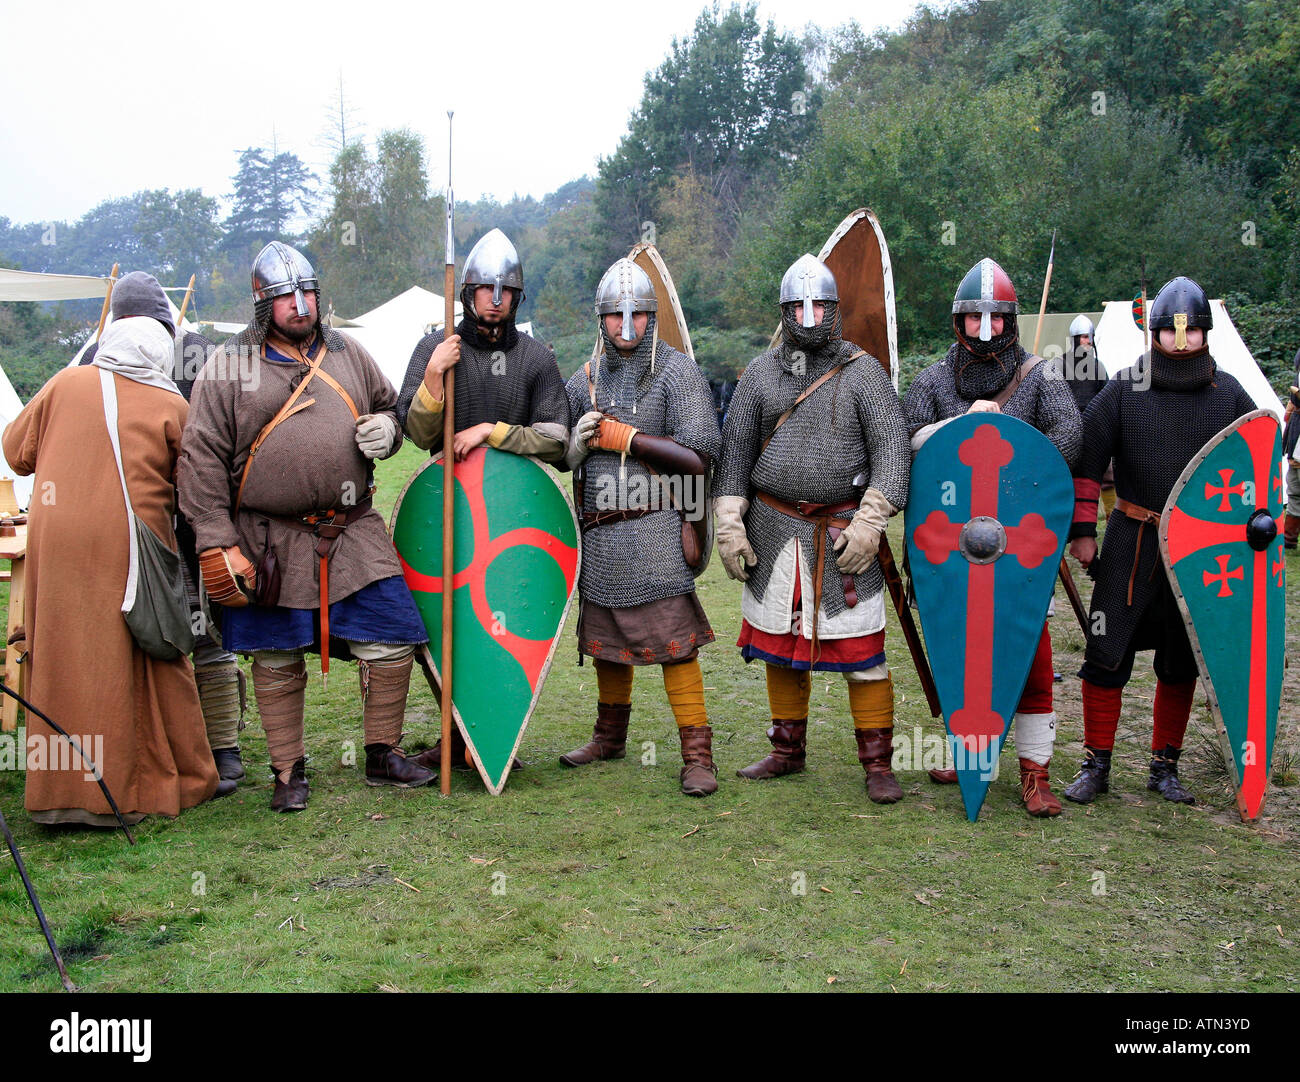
1056,415
920,407
691,418
889,452
740,442
1100,433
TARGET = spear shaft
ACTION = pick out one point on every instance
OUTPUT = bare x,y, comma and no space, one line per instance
448,479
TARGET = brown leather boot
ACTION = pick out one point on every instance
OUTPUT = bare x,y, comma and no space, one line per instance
875,750
386,765
789,750
699,775
946,775
431,758
1039,799
609,738
291,795
1290,530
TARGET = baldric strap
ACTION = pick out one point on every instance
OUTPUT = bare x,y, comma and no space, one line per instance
291,407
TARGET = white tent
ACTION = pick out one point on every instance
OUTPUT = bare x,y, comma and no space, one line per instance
1120,343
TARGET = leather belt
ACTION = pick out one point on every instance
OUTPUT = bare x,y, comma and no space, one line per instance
592,519
1144,517
326,526
820,515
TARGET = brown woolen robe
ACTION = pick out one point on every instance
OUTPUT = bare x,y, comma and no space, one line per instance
86,671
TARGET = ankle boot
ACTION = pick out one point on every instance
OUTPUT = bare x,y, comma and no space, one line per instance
608,739
1039,799
1290,530
386,765
291,795
789,748
230,767
431,758
1164,776
1093,779
699,775
875,750
944,775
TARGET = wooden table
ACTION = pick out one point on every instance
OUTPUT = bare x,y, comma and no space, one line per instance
14,549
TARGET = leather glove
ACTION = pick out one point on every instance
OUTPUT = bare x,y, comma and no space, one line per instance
733,542
227,576
376,433
577,450
615,436
859,542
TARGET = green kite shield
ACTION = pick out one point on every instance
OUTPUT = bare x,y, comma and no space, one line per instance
517,561
1221,545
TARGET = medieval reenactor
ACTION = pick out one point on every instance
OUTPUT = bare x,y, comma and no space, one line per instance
644,439
987,370
1152,420
1086,375
1290,438
509,393
141,712
216,671
815,461
276,478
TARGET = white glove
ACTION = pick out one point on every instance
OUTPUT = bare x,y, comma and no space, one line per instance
733,542
575,454
858,544
376,433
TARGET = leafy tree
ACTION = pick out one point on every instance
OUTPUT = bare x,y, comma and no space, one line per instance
270,191
729,104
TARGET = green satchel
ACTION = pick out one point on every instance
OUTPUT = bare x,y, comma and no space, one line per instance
154,606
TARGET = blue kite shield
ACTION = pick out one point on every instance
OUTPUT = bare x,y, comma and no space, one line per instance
987,517
1221,544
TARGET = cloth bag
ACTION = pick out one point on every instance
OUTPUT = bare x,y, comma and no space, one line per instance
154,605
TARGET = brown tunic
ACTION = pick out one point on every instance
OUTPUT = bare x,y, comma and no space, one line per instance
87,672
310,462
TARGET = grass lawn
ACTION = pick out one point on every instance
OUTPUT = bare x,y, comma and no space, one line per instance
607,878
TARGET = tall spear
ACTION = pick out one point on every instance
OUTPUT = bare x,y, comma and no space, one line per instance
1047,284
448,478
185,303
108,297
1063,572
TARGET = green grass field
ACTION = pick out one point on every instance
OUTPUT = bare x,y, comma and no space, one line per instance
606,878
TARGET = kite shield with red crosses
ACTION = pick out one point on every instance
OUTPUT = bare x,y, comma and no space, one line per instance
1222,545
987,516
517,562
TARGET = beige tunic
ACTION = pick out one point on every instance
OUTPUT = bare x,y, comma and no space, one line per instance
87,672
310,462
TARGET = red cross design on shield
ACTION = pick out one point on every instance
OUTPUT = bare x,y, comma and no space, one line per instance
1189,535
1224,490
982,541
1223,575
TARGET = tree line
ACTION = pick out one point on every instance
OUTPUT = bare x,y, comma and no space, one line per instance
1164,134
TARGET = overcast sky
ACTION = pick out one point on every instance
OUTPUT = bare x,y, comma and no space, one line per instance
102,99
